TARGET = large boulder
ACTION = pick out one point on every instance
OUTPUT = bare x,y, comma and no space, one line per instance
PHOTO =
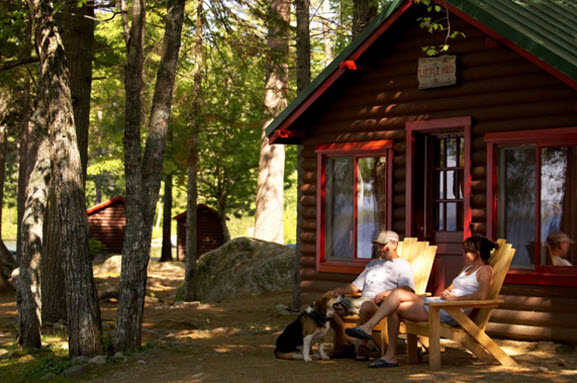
245,266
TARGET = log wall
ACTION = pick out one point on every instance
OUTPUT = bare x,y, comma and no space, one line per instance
209,232
107,226
498,88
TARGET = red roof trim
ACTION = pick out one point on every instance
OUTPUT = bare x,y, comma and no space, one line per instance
103,205
334,76
509,44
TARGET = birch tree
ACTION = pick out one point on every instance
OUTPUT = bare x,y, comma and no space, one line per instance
269,198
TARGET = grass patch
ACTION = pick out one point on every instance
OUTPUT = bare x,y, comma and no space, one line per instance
31,365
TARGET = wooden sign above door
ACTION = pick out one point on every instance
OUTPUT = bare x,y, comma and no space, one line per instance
437,72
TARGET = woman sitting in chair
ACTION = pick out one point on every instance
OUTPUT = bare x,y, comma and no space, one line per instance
471,283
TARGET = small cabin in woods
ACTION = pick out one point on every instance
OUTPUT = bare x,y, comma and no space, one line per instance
481,139
209,231
106,222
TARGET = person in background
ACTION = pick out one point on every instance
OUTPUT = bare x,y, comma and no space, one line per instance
559,243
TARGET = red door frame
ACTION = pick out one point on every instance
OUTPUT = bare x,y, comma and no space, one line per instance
432,126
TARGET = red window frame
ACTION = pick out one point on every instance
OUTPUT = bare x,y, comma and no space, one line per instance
356,150
542,274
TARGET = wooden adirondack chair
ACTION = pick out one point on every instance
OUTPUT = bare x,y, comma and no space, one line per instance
472,331
421,256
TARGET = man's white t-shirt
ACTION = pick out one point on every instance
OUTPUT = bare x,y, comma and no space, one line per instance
382,275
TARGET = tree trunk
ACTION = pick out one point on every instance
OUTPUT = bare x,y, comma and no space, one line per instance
364,12
27,153
52,271
127,334
190,279
269,199
6,261
166,252
326,29
77,26
84,328
28,297
303,79
143,179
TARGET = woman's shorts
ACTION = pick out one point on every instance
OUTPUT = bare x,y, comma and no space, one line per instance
444,315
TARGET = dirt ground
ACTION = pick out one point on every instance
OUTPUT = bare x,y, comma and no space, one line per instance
233,340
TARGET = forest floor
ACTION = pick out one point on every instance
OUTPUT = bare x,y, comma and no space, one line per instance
233,340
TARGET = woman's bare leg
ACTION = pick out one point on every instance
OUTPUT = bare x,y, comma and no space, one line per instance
406,310
390,305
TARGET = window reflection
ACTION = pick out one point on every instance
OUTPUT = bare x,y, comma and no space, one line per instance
342,196
520,199
558,207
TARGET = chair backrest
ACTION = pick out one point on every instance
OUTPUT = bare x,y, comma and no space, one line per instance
500,262
421,256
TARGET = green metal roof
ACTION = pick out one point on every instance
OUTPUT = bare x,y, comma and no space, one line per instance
543,30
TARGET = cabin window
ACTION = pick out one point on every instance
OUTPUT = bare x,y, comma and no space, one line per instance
535,178
353,202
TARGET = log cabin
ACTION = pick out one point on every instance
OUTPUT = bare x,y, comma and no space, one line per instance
209,231
106,222
481,138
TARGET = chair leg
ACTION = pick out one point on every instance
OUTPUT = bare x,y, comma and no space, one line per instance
434,339
412,348
381,336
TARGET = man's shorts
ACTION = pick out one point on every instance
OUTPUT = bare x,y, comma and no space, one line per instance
353,305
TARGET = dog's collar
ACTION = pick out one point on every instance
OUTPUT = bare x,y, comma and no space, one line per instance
318,317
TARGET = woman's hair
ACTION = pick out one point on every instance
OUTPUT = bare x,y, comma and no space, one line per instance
481,244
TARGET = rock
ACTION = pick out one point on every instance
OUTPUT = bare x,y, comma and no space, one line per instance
148,299
119,355
98,360
80,360
110,266
48,376
542,369
561,362
76,370
245,266
4,354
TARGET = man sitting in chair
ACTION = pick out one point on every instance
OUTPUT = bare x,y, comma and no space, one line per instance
377,280
559,243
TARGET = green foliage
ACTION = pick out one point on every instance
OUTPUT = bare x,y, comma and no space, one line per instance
96,247
31,365
437,20
9,227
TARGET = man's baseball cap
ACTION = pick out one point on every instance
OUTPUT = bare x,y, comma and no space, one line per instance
386,236
559,237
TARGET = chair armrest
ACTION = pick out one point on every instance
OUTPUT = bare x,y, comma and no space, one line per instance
353,295
473,303
424,294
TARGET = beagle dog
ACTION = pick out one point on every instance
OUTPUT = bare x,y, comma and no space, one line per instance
309,328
